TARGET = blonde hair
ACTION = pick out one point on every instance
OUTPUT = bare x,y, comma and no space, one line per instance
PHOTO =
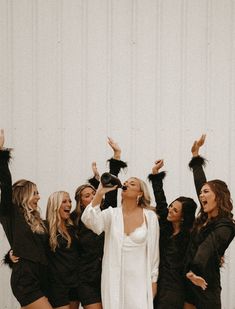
22,191
54,220
144,200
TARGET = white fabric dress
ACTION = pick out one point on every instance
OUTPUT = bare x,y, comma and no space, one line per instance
134,269
117,246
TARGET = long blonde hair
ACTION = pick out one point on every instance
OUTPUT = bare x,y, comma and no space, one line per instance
22,191
54,220
145,200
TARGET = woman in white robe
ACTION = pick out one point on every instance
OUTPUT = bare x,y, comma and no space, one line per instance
131,249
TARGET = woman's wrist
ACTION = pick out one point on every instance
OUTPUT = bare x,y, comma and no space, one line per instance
117,155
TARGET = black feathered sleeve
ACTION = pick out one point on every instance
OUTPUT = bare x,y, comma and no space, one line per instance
94,182
115,167
5,183
196,165
6,207
159,195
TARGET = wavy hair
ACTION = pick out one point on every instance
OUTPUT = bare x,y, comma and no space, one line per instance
54,220
223,200
22,191
79,207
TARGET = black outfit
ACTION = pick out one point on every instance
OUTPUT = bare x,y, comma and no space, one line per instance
90,247
29,275
207,246
62,270
171,291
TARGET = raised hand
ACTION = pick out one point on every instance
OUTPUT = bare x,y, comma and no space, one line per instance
95,170
197,144
100,192
2,138
157,166
197,280
116,148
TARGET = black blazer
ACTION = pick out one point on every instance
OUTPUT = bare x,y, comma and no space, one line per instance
22,240
208,245
172,247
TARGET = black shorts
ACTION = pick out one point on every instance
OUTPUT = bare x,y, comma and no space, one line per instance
203,299
28,281
89,294
169,299
62,295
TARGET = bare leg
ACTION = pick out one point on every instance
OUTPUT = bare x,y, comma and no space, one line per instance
39,304
62,307
93,306
74,305
189,306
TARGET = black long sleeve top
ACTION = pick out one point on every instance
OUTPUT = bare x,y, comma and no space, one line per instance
209,243
172,247
90,245
63,262
22,240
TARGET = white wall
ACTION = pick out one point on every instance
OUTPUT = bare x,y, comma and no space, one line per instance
152,74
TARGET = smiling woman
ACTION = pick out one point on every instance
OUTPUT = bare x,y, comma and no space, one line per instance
213,232
176,222
27,236
63,253
208,201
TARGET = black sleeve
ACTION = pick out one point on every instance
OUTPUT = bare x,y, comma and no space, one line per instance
214,247
159,195
94,182
114,168
6,207
5,183
196,165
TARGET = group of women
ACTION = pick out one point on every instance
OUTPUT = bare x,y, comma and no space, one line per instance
130,257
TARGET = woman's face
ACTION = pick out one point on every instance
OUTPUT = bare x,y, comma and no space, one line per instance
208,201
87,196
33,201
65,207
175,212
132,188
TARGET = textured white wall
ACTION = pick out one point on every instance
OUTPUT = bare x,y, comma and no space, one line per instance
153,74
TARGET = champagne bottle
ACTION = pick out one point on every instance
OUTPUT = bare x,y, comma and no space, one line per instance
109,180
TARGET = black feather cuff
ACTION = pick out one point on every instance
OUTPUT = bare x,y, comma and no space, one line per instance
195,161
118,163
94,182
156,177
7,261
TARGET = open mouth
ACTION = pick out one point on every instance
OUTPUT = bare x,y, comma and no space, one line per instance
204,203
67,210
34,205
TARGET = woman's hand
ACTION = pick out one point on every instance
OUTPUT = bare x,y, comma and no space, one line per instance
116,148
95,171
2,138
100,192
197,144
13,258
157,166
154,289
197,280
